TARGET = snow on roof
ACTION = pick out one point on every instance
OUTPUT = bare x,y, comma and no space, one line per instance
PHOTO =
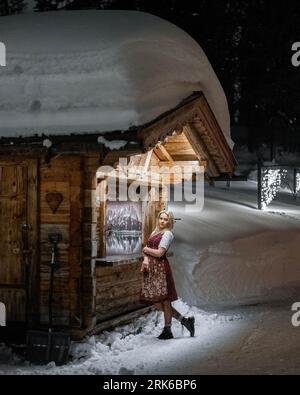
98,71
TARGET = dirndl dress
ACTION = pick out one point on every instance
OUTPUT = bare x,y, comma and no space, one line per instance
158,283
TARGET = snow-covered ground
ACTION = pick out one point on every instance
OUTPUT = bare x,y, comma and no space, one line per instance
237,270
253,340
232,254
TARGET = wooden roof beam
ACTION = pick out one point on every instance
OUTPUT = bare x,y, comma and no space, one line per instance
206,136
162,153
201,150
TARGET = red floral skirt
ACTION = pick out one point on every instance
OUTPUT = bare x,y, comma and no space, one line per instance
158,284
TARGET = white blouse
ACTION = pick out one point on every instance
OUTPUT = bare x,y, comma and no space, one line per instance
166,240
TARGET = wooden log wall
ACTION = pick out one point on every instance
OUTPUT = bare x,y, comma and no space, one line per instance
63,175
76,219
18,207
91,241
118,289
85,291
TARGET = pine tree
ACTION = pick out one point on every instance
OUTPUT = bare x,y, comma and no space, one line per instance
17,6
4,9
56,5
91,4
9,7
51,5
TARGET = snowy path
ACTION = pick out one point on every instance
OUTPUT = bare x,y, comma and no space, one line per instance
253,340
231,213
263,341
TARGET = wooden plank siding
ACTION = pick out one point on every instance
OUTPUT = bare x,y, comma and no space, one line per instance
90,241
18,207
62,175
118,290
80,297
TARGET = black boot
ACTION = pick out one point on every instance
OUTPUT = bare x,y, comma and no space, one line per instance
166,334
189,323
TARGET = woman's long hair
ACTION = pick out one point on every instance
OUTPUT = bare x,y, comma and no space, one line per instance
170,224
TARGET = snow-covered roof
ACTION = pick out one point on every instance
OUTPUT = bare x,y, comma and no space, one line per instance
98,71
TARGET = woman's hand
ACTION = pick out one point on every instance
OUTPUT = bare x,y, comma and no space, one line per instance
146,250
156,253
145,267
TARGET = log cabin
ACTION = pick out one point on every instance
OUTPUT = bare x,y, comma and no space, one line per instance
75,98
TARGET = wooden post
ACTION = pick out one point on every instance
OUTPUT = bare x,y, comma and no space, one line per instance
33,239
228,184
75,245
101,220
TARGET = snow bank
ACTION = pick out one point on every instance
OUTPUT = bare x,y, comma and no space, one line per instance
257,268
232,254
89,71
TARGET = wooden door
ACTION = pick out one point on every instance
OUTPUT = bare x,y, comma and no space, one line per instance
17,208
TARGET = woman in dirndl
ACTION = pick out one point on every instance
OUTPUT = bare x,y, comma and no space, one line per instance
158,286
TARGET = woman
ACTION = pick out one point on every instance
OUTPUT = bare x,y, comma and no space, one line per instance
158,285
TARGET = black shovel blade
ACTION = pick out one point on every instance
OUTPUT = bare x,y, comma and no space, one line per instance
44,347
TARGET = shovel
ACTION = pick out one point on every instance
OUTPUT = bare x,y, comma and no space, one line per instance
48,346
